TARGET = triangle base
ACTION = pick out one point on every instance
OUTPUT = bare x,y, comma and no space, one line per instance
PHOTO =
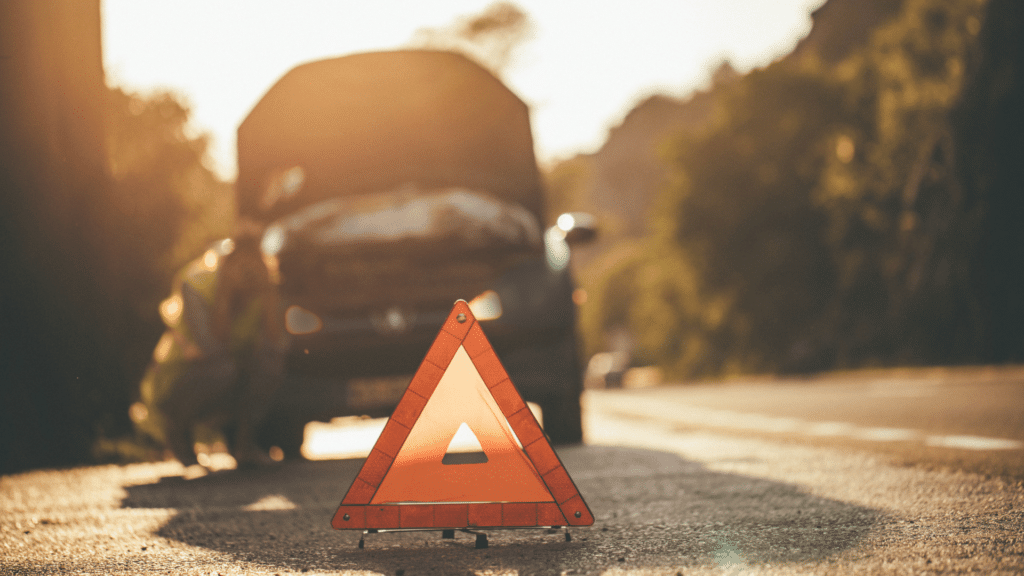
450,516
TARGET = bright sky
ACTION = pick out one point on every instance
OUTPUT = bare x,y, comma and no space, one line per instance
583,69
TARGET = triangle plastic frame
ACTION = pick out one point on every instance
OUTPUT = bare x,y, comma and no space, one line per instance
566,507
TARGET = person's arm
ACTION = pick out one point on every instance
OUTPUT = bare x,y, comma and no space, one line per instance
196,315
220,324
271,315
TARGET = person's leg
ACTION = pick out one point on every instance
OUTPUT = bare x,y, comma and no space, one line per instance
259,381
179,440
203,388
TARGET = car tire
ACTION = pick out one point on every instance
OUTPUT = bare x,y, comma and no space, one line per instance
284,431
563,417
563,420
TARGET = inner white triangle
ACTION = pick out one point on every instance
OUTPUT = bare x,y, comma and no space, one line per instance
464,441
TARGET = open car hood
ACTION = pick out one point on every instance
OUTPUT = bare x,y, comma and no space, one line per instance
365,123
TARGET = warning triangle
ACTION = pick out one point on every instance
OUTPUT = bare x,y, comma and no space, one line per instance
460,394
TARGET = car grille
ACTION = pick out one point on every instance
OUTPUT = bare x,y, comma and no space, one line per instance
352,285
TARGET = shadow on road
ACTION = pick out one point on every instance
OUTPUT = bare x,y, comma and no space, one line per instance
653,509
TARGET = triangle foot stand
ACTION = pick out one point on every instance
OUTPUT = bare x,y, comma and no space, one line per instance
449,534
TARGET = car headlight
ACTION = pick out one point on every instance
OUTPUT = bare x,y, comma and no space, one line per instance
171,309
486,306
298,320
273,240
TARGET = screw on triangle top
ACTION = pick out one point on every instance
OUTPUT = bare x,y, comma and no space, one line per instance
414,477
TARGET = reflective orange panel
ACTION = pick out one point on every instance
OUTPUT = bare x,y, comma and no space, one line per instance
418,474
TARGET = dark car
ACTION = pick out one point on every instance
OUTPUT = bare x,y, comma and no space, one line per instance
396,183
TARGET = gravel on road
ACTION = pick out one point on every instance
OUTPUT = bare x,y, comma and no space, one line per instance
666,501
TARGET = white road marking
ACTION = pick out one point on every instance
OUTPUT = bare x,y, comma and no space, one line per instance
973,443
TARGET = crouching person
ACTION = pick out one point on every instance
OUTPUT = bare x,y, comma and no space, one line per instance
220,362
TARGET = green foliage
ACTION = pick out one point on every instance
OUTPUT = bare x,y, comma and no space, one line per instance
565,183
610,288
818,222
899,232
741,217
165,205
988,128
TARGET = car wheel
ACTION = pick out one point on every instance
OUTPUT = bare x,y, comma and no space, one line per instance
563,418
284,431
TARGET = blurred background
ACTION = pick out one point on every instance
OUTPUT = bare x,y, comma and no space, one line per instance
831,185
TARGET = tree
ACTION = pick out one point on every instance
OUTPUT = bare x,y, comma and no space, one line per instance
165,205
988,133
490,37
819,222
740,226
900,232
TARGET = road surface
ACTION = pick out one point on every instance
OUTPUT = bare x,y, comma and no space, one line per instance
867,473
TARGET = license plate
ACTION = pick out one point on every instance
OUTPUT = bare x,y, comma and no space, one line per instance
376,392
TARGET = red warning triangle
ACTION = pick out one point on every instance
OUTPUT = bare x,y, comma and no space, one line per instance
518,481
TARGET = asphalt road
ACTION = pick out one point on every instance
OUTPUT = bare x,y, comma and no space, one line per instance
954,418
850,474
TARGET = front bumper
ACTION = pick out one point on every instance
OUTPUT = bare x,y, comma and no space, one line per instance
536,304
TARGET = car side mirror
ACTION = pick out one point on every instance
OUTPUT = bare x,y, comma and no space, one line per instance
577,227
